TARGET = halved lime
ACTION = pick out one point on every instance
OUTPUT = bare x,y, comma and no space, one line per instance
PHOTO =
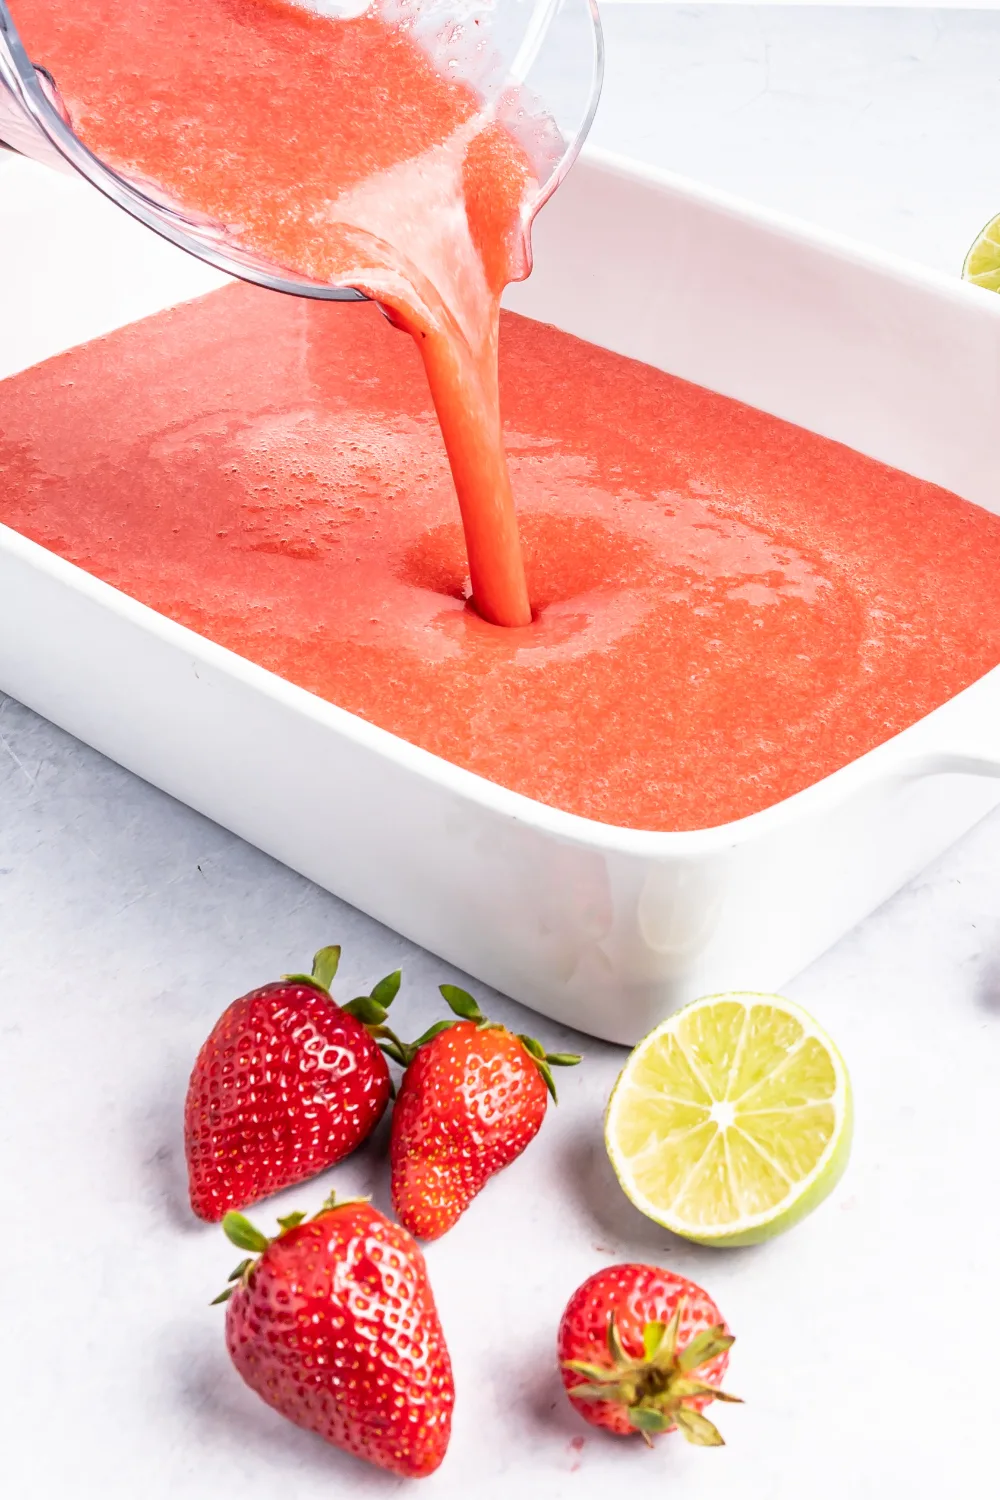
732,1120
982,264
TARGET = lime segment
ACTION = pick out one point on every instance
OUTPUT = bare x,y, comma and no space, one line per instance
732,1120
982,264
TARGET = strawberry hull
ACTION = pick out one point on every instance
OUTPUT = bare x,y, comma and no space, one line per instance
654,1344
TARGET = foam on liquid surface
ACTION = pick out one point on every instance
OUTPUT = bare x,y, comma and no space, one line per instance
728,607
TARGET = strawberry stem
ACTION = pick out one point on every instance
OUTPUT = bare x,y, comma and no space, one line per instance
403,1053
246,1236
372,1010
325,965
466,1008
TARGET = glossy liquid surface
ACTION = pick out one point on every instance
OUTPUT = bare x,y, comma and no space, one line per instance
339,150
729,607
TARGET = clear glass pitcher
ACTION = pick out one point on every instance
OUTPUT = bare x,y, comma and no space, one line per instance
551,50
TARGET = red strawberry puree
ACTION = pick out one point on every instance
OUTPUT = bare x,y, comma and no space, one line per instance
728,607
335,148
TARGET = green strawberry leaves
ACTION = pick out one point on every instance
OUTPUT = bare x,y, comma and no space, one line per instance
615,1344
373,1013
652,1338
462,1003
467,1008
703,1347
697,1428
372,1010
385,992
367,1010
531,1045
649,1419
241,1270
663,1356
325,965
546,1061
655,1389
595,1373
291,1221
244,1235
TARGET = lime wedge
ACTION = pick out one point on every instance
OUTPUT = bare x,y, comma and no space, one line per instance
732,1120
982,264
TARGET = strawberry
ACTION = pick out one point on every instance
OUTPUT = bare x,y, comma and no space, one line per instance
472,1097
287,1084
643,1350
334,1325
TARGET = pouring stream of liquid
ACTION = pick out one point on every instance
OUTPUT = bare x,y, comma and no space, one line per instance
340,150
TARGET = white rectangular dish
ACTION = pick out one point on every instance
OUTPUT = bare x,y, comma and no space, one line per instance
603,928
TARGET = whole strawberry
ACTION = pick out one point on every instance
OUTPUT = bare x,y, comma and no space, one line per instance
643,1350
287,1084
472,1097
334,1325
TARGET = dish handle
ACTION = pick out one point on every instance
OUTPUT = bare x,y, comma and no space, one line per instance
949,763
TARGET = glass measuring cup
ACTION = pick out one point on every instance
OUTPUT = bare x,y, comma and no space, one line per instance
547,52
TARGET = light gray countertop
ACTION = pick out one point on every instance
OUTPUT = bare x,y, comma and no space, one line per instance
881,124
127,922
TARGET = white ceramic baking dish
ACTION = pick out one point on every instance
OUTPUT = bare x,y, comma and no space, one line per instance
605,928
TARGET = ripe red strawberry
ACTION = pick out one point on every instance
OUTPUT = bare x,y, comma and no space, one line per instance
335,1327
287,1084
472,1097
643,1350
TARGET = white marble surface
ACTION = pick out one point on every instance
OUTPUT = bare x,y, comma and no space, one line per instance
876,123
127,922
